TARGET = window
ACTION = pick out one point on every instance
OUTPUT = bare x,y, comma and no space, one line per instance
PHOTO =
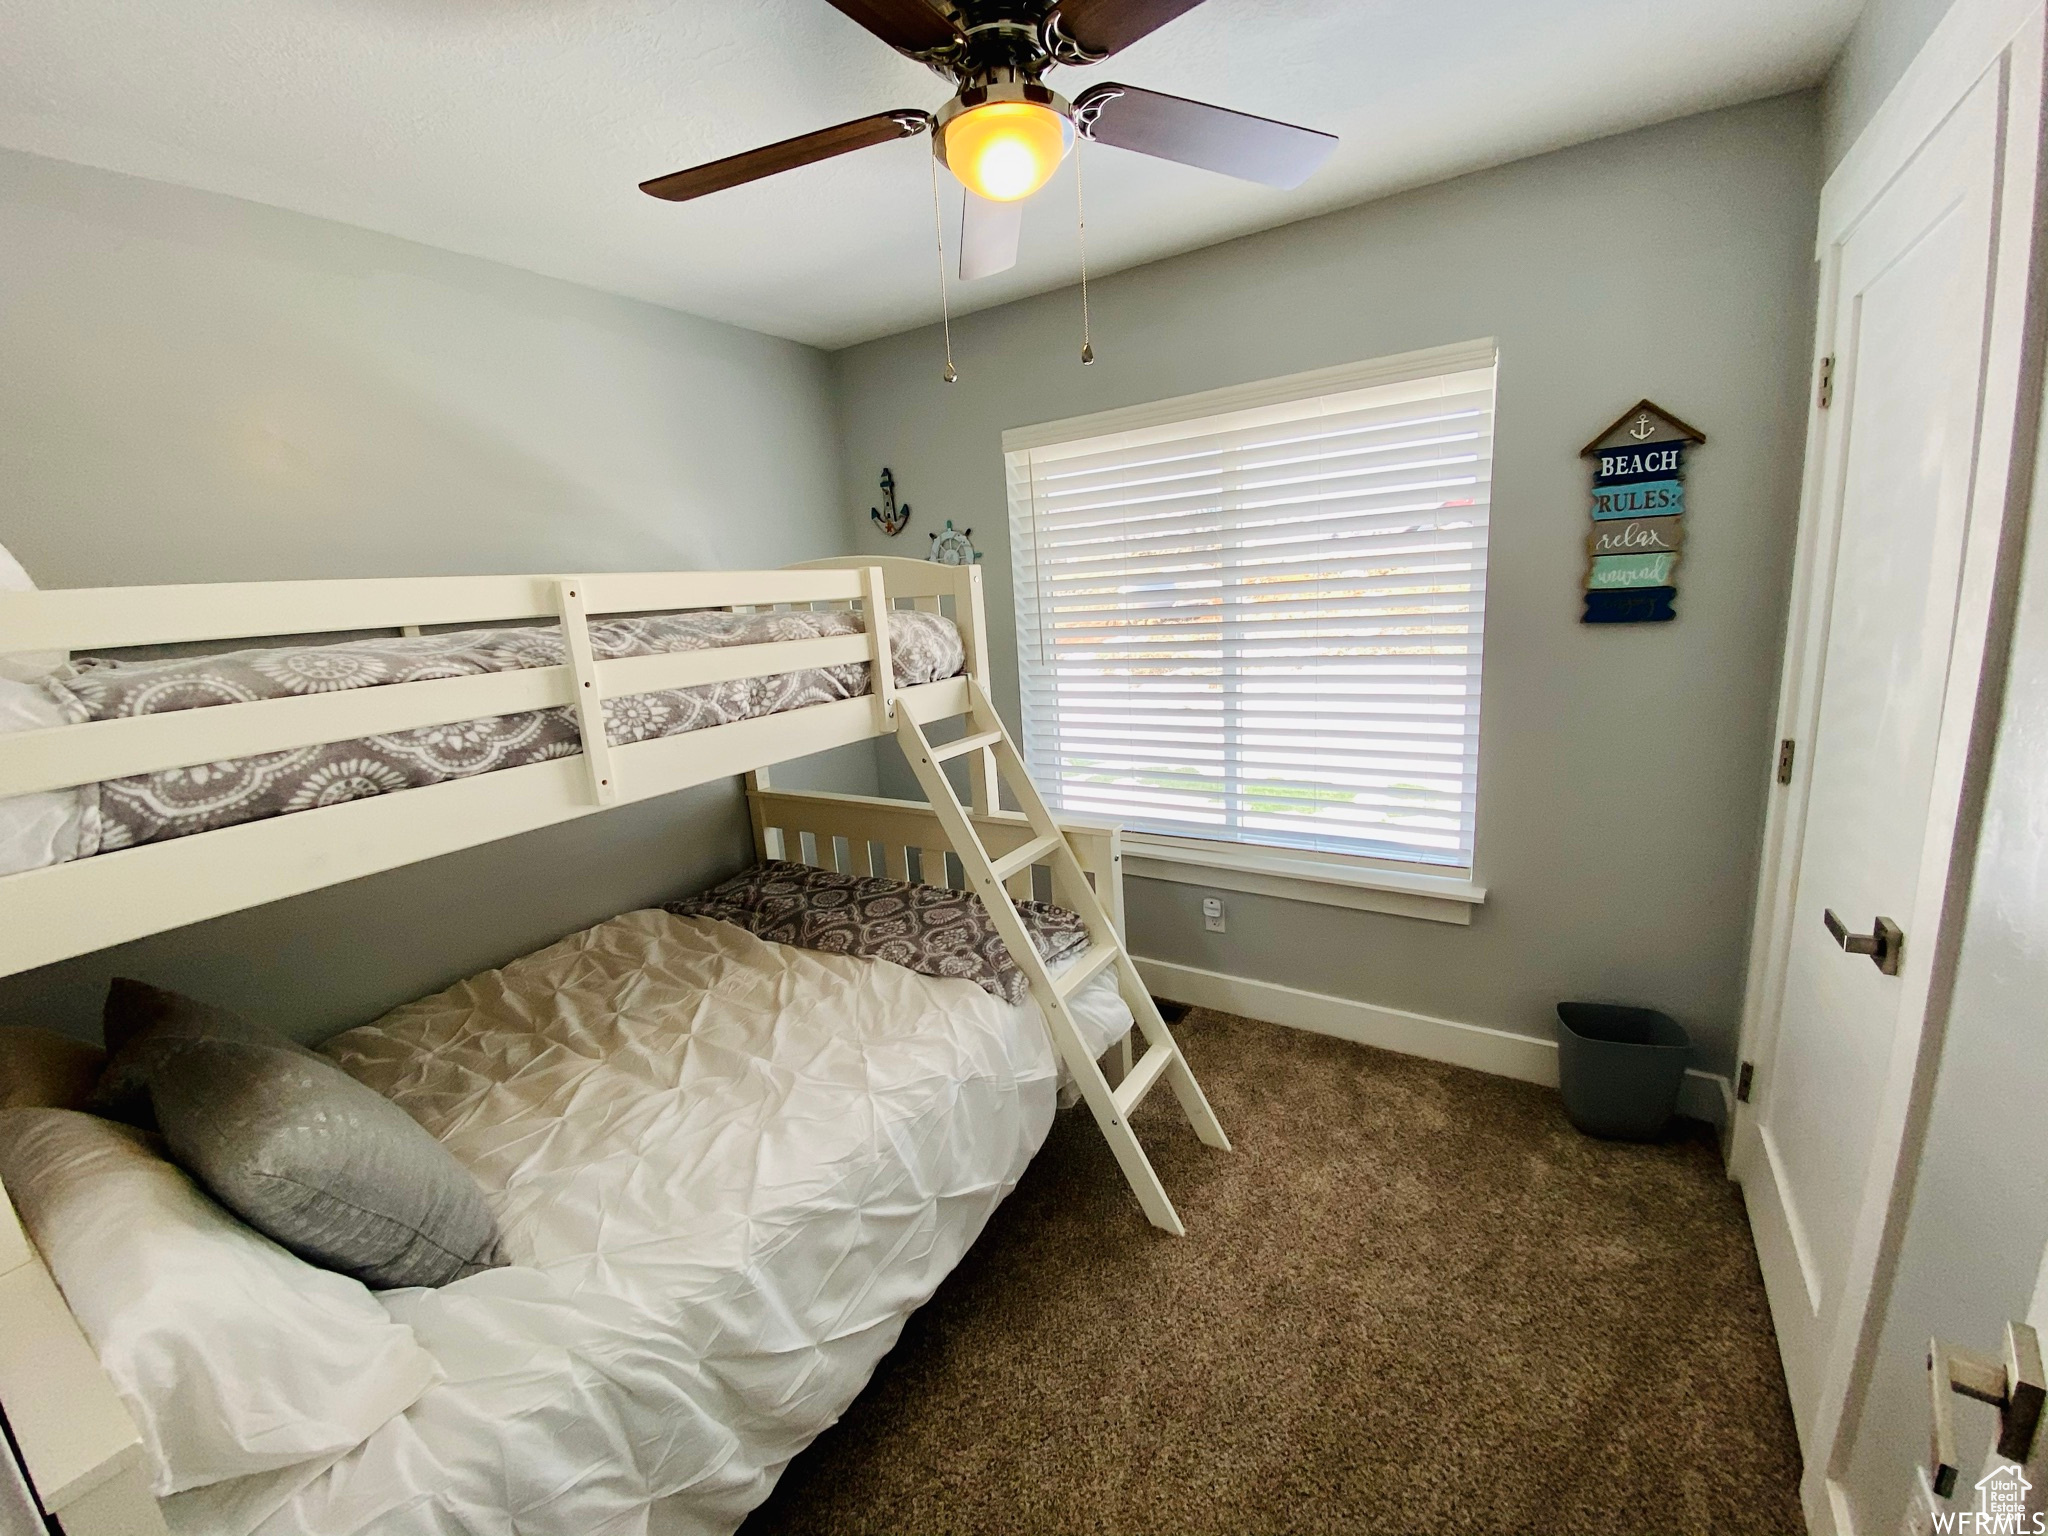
1254,617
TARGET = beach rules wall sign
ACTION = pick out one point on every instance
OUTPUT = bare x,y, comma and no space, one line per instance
1638,530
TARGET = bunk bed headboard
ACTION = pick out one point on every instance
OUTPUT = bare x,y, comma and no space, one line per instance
902,840
926,584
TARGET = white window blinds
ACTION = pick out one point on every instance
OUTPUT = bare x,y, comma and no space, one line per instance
1262,625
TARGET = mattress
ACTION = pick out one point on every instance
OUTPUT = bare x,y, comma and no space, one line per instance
727,1171
124,813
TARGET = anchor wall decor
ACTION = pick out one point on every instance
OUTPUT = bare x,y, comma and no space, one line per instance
889,517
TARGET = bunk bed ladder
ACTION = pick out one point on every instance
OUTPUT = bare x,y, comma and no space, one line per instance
986,738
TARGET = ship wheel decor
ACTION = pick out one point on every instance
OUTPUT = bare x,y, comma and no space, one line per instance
954,546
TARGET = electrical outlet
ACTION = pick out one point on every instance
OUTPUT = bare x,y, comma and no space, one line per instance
1212,913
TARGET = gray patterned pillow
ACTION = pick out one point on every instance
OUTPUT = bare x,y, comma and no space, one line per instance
924,928
142,1025
303,1152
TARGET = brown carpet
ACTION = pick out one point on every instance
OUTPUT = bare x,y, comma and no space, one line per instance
1413,1299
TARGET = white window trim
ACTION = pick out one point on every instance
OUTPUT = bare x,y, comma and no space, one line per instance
1330,880
1336,880
1456,358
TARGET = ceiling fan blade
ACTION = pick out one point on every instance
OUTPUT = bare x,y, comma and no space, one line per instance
734,170
1099,28
912,26
1195,133
989,232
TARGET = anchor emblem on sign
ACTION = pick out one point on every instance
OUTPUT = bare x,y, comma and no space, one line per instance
1642,427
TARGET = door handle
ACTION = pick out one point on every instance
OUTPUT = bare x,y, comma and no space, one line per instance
1886,945
2014,1386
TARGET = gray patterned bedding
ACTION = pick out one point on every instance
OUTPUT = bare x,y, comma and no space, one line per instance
147,808
924,928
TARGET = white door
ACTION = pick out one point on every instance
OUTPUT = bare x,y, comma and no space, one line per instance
1901,523
1909,321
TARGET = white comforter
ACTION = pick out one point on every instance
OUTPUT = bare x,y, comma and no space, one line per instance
727,1171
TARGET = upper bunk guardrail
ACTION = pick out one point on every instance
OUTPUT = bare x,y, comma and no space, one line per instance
94,751
54,911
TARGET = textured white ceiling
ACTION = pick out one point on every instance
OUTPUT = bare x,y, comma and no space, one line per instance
518,129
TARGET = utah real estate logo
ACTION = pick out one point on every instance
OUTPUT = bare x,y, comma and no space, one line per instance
2001,1508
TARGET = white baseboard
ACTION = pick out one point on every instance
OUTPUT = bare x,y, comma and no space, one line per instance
1705,1096
1709,1096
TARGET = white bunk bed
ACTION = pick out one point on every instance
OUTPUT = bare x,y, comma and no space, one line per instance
75,1439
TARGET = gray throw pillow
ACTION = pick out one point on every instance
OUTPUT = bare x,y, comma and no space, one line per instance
142,1025
305,1154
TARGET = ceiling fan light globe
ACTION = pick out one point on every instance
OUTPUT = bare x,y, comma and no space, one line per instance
1007,169
1007,150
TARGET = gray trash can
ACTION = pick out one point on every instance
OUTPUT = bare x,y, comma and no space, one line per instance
1620,1068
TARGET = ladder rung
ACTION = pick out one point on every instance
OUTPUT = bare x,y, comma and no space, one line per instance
1025,857
947,751
1150,1068
1098,959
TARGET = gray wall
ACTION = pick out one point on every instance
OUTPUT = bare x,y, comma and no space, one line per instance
202,389
1885,38
1979,1207
1674,263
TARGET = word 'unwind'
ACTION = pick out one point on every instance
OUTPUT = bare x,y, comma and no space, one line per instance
1638,517
1610,571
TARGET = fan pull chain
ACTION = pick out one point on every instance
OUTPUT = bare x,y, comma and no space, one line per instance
1081,238
952,374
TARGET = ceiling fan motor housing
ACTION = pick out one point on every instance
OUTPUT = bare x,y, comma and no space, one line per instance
992,92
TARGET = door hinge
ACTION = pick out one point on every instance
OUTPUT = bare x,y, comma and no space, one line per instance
1785,750
1827,381
1743,1081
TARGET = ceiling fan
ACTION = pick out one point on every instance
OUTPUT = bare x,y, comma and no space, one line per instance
1005,132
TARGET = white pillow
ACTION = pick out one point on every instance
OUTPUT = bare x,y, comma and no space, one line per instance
233,1355
24,666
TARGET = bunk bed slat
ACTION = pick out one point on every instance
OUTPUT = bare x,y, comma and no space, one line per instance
694,669
651,591
597,745
102,618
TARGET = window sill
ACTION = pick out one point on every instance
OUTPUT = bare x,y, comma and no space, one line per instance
1322,879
